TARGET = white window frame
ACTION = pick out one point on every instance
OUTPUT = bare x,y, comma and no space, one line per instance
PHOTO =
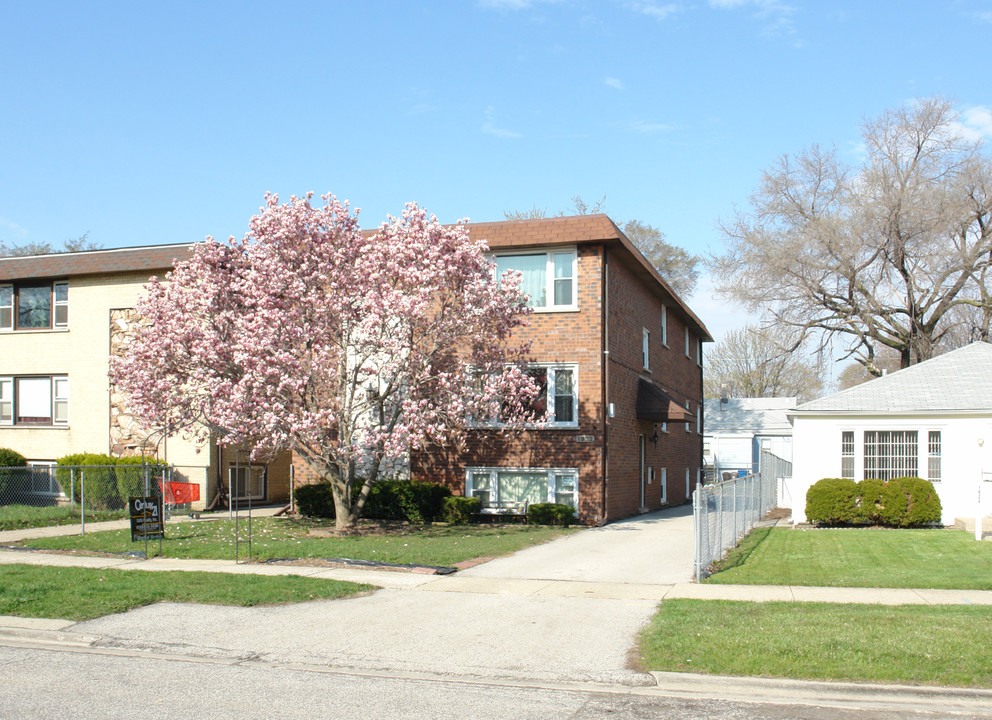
550,422
53,488
664,485
934,452
892,454
699,419
646,349
58,401
6,307
687,481
688,408
664,325
56,304
699,352
847,452
549,275
493,489
688,335
6,400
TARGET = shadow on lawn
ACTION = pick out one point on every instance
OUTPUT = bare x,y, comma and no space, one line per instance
740,554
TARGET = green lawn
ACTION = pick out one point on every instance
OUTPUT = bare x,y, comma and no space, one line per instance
288,538
82,593
860,557
866,643
16,517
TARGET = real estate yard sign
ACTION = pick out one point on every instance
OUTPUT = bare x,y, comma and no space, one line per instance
146,518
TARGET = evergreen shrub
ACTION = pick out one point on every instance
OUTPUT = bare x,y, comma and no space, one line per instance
458,510
832,501
316,500
550,514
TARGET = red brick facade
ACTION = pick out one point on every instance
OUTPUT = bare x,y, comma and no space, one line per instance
613,283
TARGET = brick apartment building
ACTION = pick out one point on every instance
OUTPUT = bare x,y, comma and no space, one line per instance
621,357
620,354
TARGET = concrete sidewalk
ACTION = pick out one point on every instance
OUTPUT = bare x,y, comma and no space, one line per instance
468,581
12,536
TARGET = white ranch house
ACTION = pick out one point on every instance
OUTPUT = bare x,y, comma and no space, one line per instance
932,420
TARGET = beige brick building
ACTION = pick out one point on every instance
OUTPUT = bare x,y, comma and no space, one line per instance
61,316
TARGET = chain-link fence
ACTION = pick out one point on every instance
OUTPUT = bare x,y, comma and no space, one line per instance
725,512
57,494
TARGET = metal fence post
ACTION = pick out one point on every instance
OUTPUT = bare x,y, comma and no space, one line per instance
82,502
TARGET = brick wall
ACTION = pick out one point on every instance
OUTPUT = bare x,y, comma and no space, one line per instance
632,308
566,337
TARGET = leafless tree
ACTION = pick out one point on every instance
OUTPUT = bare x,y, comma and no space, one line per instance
751,362
678,267
35,248
892,253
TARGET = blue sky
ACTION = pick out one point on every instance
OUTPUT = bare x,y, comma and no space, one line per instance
148,123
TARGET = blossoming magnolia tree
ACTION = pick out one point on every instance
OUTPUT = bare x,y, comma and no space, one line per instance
346,347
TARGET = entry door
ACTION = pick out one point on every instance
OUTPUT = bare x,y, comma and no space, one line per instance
643,466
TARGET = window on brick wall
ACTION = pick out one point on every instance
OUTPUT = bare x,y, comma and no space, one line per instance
494,485
645,349
548,278
664,325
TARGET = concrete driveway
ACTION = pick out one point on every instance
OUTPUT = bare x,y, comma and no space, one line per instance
528,616
654,549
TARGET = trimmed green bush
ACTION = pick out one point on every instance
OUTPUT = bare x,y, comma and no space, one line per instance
11,458
550,514
832,501
316,500
900,502
922,503
458,510
110,480
415,502
11,481
870,501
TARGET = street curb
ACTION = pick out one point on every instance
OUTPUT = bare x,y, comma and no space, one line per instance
839,693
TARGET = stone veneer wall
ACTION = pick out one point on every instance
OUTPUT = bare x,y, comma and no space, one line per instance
127,436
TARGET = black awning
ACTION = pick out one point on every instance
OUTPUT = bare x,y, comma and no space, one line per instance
656,405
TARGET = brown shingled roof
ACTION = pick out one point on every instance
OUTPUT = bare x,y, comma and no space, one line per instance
154,260
575,230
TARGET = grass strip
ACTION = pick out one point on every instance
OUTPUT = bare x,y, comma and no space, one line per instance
290,538
947,645
18,517
83,593
859,557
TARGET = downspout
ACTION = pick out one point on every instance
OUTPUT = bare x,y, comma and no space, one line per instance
605,332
